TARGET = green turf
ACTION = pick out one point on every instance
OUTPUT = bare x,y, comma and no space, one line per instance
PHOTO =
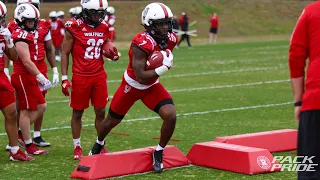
204,79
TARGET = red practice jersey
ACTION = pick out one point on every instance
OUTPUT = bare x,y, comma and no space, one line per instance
57,27
2,47
305,43
214,21
43,30
31,38
86,51
144,41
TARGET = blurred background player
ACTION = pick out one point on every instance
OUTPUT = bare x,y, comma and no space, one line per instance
141,84
60,15
57,33
184,25
7,95
84,38
44,49
72,12
214,21
111,19
27,79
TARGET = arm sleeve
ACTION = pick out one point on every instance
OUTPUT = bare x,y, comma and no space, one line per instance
48,36
298,52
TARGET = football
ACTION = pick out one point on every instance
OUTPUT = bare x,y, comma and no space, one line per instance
154,61
109,50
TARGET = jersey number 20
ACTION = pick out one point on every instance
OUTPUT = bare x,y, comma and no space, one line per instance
93,51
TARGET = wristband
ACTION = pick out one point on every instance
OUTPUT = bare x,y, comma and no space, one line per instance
55,70
161,70
64,77
298,103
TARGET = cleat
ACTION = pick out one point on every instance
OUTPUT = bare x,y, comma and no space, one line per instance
34,150
40,142
21,141
157,161
97,149
77,154
20,156
8,147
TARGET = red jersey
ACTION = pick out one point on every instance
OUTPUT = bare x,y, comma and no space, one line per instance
144,41
31,38
214,22
2,47
86,51
57,27
110,20
305,43
43,30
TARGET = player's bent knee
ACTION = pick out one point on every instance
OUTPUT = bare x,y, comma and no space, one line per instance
42,107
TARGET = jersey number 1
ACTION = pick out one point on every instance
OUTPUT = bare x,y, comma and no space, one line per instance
93,51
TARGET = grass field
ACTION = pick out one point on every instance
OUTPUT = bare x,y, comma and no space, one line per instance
219,90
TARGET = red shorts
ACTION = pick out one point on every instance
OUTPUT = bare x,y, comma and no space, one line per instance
7,96
127,95
27,91
85,88
57,41
42,66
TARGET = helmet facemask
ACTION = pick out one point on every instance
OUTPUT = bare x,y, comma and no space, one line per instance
159,30
93,17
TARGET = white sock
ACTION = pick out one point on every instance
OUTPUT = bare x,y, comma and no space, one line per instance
36,134
14,149
159,148
76,142
100,142
29,141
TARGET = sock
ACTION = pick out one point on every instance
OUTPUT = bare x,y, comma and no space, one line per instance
28,142
36,134
14,149
159,148
76,142
100,142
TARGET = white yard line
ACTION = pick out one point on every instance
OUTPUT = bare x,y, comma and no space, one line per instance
202,88
183,114
213,72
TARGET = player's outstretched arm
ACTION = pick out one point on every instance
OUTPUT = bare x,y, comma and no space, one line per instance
139,63
66,50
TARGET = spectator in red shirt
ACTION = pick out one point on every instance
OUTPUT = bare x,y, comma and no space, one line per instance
214,20
305,44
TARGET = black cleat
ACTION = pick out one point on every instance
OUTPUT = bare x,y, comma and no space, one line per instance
40,142
157,161
96,149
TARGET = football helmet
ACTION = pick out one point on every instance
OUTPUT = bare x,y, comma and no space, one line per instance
60,14
94,11
3,15
25,12
36,3
110,10
157,20
53,15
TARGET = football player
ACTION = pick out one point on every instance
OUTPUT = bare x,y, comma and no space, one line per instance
7,96
141,84
57,33
85,35
27,79
111,19
44,49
